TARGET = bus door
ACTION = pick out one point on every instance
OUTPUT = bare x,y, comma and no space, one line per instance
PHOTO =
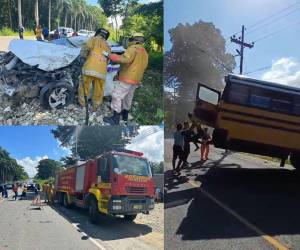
206,107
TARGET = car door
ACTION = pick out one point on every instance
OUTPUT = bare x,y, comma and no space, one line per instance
206,106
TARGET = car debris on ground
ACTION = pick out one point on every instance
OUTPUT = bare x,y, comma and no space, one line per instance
39,82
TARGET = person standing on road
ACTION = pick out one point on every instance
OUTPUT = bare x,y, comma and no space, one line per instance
15,190
21,32
95,68
133,65
38,33
195,123
45,191
206,139
187,134
45,33
178,148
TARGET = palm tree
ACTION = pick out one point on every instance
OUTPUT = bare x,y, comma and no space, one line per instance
36,12
49,14
20,12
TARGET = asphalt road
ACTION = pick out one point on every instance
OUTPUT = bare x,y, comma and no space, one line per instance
232,201
26,227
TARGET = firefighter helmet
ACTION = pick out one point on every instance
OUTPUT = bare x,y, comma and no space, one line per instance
102,32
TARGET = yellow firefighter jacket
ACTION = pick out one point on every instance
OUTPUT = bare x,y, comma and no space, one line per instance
96,63
134,63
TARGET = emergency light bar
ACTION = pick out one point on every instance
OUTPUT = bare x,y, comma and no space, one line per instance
128,151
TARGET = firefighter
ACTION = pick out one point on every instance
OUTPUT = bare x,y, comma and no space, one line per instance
133,65
95,68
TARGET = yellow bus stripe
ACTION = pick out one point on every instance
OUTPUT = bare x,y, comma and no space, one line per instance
275,243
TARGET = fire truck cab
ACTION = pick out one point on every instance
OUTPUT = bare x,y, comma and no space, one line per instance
115,183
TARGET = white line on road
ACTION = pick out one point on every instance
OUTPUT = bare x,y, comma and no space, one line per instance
89,237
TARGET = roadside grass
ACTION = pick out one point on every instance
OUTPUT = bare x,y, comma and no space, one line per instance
148,100
9,32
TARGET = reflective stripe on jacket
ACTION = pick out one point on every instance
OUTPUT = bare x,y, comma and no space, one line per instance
133,64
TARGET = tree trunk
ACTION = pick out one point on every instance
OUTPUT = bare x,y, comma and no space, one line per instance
20,13
66,18
36,12
75,23
117,33
71,24
9,12
49,15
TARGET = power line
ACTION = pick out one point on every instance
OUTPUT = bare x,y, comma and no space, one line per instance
259,69
272,22
272,15
266,18
276,32
215,59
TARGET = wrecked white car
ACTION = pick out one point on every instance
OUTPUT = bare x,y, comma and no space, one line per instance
47,70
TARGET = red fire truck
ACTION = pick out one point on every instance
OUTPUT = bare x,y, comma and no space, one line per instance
115,183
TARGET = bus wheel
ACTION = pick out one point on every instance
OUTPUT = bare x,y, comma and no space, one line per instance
219,138
295,160
93,211
130,217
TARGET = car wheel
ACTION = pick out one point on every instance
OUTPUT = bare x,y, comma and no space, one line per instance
130,217
57,96
93,211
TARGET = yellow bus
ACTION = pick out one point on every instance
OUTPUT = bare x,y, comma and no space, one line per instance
253,116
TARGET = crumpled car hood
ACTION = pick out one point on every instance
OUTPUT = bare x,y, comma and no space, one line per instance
46,56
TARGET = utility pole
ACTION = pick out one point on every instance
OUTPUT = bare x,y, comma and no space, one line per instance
243,44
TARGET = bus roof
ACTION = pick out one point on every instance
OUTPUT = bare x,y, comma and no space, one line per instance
240,79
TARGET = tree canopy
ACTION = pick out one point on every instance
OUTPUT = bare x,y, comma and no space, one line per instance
197,55
47,168
10,170
93,141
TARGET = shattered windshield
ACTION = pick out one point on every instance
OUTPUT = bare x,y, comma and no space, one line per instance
130,165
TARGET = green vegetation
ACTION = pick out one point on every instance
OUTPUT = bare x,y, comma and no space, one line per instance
9,32
10,170
158,168
93,141
47,168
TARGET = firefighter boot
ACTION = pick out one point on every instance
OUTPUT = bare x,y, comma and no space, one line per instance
125,115
113,120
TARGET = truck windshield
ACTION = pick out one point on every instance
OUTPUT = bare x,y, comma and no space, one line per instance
130,165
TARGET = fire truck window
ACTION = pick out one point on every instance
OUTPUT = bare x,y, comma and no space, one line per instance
131,165
103,169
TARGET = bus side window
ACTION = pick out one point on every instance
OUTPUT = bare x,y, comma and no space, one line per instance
260,98
281,105
296,107
238,94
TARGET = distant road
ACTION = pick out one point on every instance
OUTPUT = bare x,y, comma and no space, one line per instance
5,40
232,201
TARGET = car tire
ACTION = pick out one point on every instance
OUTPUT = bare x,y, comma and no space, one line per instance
219,138
93,211
295,160
62,90
130,217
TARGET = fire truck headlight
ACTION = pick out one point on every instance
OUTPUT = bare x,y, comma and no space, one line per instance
151,206
151,200
117,207
117,201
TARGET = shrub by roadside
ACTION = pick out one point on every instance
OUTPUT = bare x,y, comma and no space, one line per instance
10,32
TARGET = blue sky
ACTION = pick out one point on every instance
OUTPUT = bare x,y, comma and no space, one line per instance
30,144
280,50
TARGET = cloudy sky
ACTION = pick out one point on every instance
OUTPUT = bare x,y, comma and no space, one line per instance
279,52
30,144
150,141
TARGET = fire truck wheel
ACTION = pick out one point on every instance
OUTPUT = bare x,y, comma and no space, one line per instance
60,198
65,201
130,217
93,210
